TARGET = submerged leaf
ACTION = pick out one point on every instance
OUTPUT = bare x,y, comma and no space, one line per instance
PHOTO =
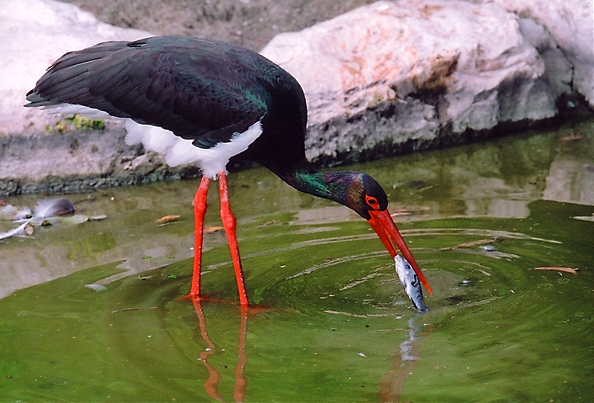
76,219
563,269
210,230
471,244
168,218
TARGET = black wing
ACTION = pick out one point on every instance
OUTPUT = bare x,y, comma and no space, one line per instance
199,89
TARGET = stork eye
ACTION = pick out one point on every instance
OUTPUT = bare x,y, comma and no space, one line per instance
372,202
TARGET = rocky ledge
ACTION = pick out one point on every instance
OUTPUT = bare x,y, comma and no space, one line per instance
380,80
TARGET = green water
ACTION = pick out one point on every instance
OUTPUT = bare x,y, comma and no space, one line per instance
332,322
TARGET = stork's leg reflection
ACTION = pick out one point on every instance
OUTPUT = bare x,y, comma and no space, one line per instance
240,379
214,376
392,385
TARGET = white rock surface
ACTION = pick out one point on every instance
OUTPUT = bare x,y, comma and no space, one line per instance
420,72
571,25
33,34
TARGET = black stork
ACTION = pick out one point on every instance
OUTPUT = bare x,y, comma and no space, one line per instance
203,101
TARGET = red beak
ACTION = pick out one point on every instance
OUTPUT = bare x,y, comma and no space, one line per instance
384,226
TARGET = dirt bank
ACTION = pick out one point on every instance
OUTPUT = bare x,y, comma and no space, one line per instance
250,23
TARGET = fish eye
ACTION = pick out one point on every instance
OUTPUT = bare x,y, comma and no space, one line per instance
372,202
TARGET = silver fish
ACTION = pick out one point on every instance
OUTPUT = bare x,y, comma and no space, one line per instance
410,282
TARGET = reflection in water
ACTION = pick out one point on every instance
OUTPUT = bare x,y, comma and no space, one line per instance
214,376
570,181
390,388
392,385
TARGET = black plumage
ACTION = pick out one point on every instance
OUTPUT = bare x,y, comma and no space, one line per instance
199,89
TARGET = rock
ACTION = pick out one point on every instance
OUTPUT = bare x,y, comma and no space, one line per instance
571,26
381,79
407,75
41,31
31,158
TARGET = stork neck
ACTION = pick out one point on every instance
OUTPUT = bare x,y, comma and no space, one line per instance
332,185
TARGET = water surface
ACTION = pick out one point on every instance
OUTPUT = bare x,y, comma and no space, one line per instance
331,322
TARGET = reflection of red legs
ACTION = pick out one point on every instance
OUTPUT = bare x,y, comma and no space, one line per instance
392,385
230,227
199,211
214,376
240,379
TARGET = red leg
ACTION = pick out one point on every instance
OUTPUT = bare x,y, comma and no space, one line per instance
199,211
229,225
